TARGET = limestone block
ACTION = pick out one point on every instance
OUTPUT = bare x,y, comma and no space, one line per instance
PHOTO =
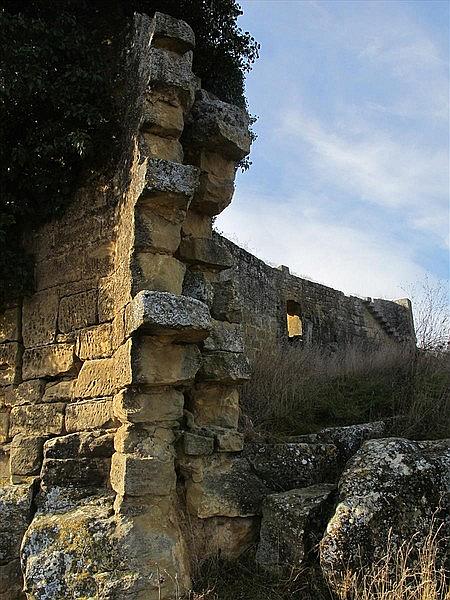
95,342
40,313
228,489
38,420
98,259
153,407
160,364
5,471
171,34
205,252
28,392
79,472
145,440
137,475
10,325
161,313
213,194
15,509
290,525
91,414
84,444
104,377
155,232
49,361
285,466
11,581
26,454
4,426
226,537
224,336
59,391
58,270
218,127
175,181
162,116
162,147
170,70
228,440
10,354
197,284
158,272
197,445
77,311
214,405
224,367
226,304
197,225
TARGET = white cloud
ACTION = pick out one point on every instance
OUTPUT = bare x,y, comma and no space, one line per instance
373,166
356,260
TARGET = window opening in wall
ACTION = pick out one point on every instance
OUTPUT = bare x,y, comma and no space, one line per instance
294,322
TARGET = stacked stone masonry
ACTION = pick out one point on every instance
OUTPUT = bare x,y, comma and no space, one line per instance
328,317
120,457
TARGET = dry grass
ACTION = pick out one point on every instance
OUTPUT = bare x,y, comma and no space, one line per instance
300,390
403,574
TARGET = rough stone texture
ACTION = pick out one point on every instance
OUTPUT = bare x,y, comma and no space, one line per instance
197,445
10,325
205,252
26,454
172,34
15,514
215,405
290,524
391,488
286,466
175,181
159,272
49,361
29,392
224,367
229,488
140,475
40,313
10,354
11,581
77,311
157,406
160,313
225,336
40,420
91,414
218,126
95,342
328,316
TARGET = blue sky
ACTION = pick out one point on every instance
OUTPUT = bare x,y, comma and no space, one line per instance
350,178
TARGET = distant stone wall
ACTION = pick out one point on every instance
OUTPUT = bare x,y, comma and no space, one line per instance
328,316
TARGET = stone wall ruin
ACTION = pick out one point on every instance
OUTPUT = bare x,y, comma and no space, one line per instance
120,458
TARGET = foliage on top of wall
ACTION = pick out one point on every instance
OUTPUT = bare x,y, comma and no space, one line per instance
58,117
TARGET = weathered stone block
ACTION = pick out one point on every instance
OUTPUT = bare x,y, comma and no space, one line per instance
176,181
166,364
161,313
154,407
197,445
135,475
15,509
213,194
28,392
168,69
49,361
197,225
171,34
91,414
4,426
291,524
11,581
77,311
224,367
40,313
228,440
104,377
226,304
158,272
214,405
26,454
59,391
154,232
224,336
95,342
79,472
84,444
162,116
163,147
10,325
218,127
10,355
228,489
38,420
205,252
197,284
